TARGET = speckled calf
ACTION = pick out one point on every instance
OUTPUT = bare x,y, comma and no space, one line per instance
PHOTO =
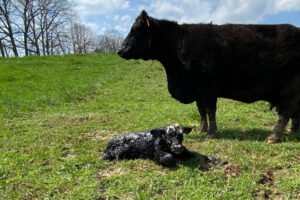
163,145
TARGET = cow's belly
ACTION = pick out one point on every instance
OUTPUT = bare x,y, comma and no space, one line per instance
181,93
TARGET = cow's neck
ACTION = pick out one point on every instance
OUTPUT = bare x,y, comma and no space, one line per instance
167,48
170,35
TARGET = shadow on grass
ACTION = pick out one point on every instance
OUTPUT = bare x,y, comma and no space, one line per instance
252,135
197,163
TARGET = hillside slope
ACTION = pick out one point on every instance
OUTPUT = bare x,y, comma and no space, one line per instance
58,113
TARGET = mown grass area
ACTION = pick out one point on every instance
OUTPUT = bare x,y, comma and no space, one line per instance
58,113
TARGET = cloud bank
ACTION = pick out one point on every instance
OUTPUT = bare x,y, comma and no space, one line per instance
120,14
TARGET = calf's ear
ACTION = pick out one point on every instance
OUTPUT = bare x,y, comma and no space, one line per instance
187,130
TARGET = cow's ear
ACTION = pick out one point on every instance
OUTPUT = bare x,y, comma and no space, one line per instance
158,131
145,18
187,130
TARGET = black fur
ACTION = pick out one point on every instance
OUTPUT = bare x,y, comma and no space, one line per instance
241,62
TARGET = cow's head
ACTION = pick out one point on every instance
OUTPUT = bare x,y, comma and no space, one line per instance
173,136
138,42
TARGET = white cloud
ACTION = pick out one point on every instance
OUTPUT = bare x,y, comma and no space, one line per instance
125,18
184,11
284,5
85,7
120,14
116,17
93,26
120,28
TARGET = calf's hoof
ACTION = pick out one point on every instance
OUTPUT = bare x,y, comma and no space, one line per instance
273,139
168,160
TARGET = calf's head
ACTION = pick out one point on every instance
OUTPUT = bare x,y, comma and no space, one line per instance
138,42
173,136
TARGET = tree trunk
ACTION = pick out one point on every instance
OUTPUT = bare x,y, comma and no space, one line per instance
35,38
2,49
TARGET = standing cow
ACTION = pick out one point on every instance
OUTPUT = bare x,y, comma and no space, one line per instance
241,62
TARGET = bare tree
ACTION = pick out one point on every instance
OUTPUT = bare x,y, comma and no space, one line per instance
110,41
82,38
6,23
24,10
52,15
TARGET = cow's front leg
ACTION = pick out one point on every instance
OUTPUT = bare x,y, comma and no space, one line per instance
212,131
202,112
278,130
210,106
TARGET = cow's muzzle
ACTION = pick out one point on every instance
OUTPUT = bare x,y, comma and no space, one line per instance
123,52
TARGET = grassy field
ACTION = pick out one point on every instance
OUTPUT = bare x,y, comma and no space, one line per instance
58,113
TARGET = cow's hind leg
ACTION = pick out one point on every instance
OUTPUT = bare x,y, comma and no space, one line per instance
296,121
202,112
285,111
278,130
295,124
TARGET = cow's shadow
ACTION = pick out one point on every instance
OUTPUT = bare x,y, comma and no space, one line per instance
255,134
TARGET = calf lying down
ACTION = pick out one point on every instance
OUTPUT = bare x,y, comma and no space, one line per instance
163,145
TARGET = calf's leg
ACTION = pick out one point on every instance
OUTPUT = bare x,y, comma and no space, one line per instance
167,159
188,154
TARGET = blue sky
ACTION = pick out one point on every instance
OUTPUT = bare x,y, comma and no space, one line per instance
103,15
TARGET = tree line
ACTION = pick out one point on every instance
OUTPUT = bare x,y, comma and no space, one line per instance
48,27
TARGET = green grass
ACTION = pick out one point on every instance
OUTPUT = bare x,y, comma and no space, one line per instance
58,113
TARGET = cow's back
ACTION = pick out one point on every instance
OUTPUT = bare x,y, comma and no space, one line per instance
245,62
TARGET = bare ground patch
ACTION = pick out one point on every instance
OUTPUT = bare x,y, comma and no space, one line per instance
104,135
110,173
233,170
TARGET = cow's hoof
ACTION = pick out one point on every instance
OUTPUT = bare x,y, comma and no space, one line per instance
273,139
210,135
203,128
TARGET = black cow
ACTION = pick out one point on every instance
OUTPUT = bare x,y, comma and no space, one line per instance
163,145
241,62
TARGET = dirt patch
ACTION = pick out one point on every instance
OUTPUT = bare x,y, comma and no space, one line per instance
263,194
267,178
70,156
145,165
297,158
102,135
109,173
233,170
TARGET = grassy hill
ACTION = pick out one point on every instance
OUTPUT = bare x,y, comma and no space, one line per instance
58,113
